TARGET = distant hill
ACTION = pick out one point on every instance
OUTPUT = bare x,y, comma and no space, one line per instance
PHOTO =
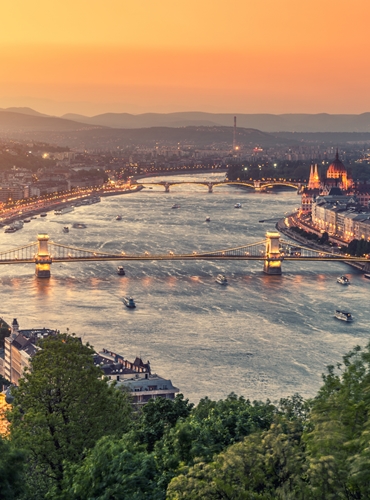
17,122
322,122
95,133
111,138
24,111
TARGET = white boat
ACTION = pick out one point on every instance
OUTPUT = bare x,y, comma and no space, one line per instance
238,205
343,280
65,229
120,271
43,214
119,217
18,224
343,315
79,225
221,279
367,276
208,219
129,302
64,210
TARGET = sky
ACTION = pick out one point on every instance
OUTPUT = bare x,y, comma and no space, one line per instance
218,56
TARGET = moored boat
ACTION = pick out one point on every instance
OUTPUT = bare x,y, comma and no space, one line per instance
43,214
129,302
367,276
343,315
221,279
64,210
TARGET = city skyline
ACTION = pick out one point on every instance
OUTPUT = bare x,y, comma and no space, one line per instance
274,57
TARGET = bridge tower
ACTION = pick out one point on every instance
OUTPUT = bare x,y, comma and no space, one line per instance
257,185
210,187
272,263
43,259
167,187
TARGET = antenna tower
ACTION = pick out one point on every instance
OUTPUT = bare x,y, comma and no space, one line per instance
234,136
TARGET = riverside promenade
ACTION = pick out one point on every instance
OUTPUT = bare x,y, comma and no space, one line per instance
9,214
282,226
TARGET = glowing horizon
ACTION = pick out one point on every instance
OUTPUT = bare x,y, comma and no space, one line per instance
214,56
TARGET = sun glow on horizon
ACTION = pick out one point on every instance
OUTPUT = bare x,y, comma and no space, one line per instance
214,55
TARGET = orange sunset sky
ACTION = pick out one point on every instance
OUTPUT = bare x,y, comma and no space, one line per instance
234,56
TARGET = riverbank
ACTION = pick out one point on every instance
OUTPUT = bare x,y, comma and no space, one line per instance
282,228
8,216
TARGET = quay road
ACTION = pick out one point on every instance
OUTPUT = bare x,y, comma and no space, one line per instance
283,226
27,208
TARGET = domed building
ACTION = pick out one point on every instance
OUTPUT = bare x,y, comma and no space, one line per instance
336,177
338,171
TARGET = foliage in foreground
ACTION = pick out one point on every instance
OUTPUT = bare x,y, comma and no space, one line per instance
228,449
62,408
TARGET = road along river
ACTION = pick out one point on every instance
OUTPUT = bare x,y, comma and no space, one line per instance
261,336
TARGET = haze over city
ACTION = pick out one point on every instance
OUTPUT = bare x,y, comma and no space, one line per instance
218,56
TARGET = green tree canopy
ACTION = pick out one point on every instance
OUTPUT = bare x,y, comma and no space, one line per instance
12,463
62,407
114,469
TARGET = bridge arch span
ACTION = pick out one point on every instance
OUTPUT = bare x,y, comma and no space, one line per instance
273,184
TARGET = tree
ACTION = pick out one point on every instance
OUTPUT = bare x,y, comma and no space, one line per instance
158,415
113,469
62,407
265,465
338,435
11,467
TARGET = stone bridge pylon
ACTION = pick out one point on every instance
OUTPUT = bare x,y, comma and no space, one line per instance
272,264
43,258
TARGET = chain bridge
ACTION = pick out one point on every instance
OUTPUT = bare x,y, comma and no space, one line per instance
257,185
272,251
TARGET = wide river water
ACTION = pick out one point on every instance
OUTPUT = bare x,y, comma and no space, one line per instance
261,336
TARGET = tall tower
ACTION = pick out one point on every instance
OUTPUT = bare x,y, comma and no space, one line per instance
234,137
314,180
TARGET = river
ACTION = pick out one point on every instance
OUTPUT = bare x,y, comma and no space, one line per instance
261,336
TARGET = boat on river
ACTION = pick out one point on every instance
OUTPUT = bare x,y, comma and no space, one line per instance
208,219
221,279
119,217
175,206
120,271
43,214
64,210
65,229
344,316
367,276
343,280
129,302
79,225
238,205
